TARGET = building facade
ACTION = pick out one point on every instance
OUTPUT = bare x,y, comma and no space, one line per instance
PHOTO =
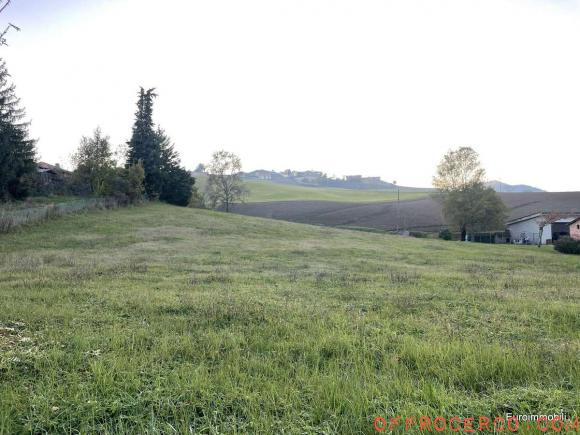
526,230
574,229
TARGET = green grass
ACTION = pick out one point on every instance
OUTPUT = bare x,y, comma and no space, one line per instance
39,210
167,320
267,191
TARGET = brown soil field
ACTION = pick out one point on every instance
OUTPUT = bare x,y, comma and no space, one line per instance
420,214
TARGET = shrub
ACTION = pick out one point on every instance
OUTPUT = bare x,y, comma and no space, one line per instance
177,186
124,184
445,234
197,200
418,234
566,245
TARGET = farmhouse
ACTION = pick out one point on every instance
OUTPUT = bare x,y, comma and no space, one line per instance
561,227
574,229
259,175
52,178
526,229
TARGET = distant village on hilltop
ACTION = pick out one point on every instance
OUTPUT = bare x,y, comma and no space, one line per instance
320,179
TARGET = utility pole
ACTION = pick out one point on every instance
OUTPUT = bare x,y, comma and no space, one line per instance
398,210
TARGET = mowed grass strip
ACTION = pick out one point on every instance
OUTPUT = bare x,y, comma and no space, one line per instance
159,319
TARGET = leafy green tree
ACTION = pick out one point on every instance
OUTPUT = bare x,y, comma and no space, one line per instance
135,176
458,170
474,208
93,161
125,184
96,172
467,204
17,150
224,185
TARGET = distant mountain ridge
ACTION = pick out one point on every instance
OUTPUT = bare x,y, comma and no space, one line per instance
498,186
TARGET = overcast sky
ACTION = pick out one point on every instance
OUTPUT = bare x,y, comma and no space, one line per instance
372,87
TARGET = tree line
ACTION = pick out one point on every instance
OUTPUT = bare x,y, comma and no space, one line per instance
151,167
148,167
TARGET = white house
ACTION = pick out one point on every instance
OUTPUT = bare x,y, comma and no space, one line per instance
527,229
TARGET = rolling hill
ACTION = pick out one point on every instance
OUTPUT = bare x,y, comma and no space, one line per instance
498,186
319,179
422,214
158,319
268,191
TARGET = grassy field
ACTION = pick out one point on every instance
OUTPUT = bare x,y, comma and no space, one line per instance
167,320
266,191
420,214
37,202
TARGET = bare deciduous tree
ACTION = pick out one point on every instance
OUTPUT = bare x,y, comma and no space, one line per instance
4,5
543,221
224,185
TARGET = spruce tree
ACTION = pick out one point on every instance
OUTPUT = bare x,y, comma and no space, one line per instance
164,177
17,150
177,185
144,145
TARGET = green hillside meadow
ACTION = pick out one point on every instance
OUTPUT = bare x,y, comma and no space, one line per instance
267,191
264,191
159,319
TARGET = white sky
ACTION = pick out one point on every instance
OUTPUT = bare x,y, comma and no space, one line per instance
372,87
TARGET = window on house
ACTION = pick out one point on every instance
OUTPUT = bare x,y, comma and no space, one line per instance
578,227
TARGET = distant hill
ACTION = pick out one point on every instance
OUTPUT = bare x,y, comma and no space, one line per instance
261,190
498,186
320,179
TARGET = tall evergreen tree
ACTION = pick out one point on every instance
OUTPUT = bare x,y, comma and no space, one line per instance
17,150
177,181
144,145
164,177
